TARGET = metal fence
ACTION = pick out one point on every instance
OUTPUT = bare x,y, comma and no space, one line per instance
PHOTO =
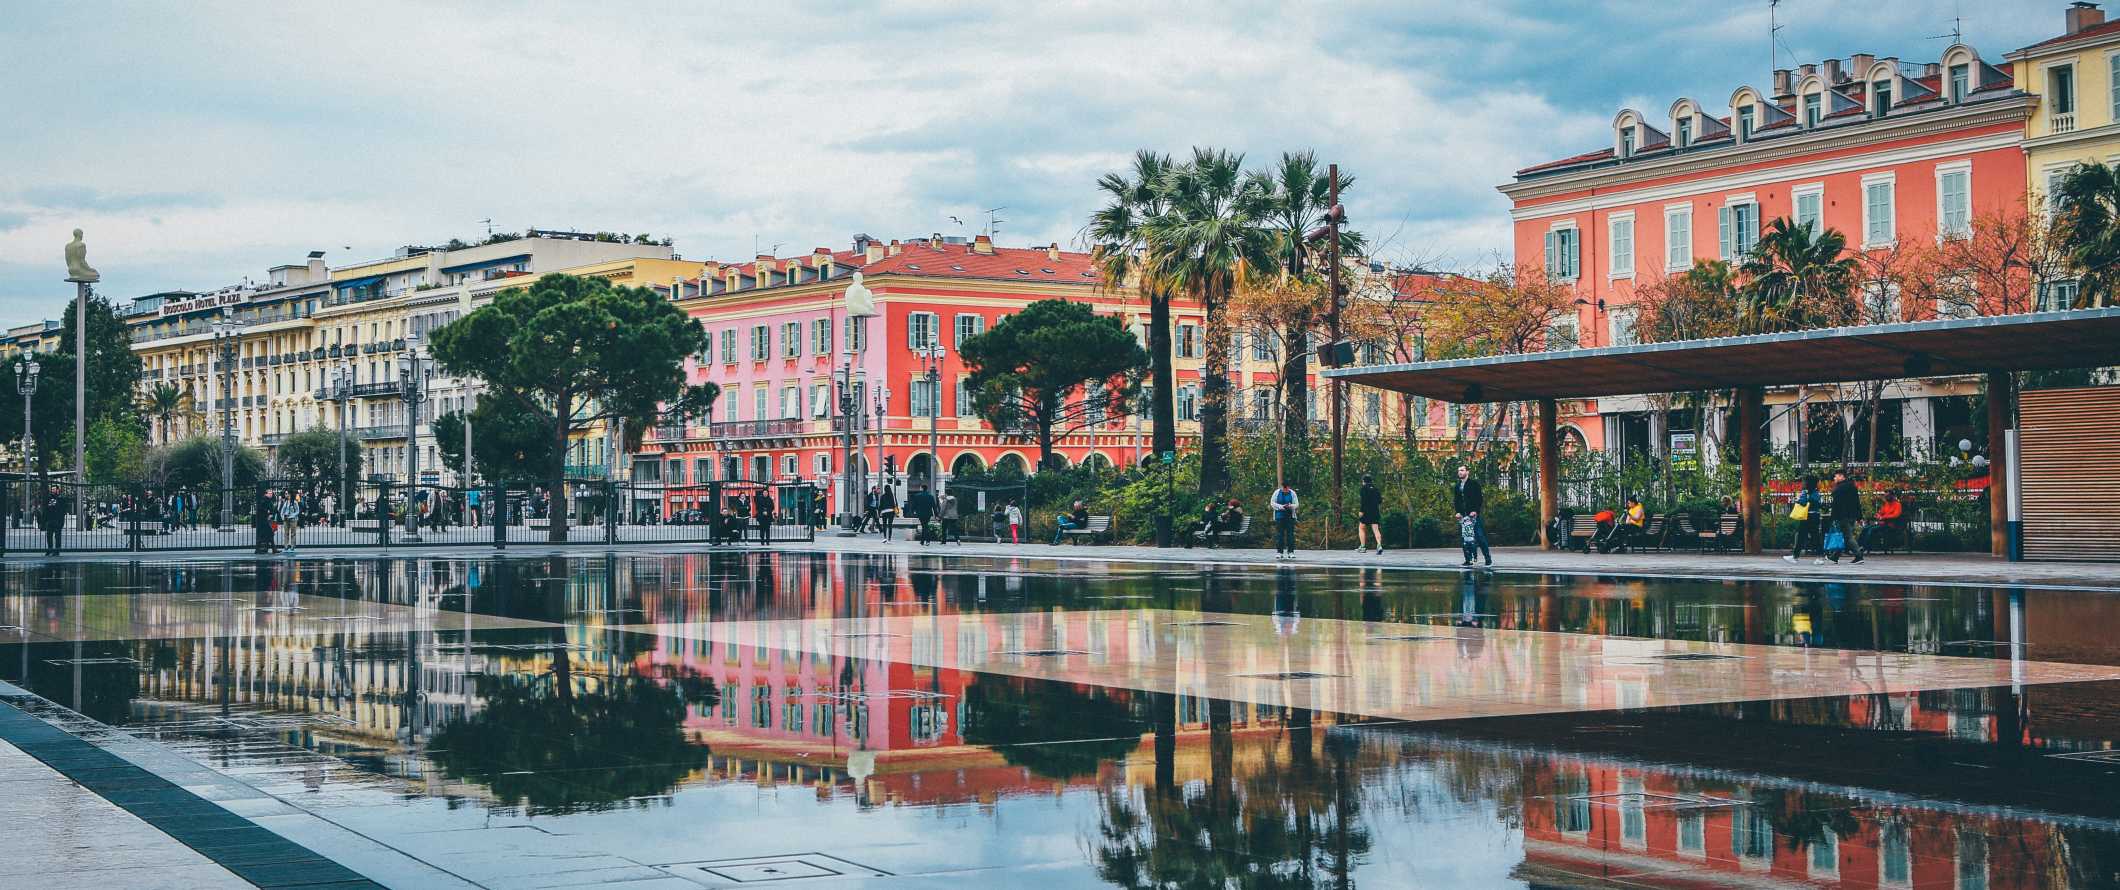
40,515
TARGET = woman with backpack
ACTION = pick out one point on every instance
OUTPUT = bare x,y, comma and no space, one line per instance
1804,510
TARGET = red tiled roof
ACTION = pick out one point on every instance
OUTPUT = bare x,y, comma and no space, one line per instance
2092,31
1005,263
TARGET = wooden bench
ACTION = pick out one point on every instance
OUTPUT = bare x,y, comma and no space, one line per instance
1582,527
1099,526
1727,532
1652,534
364,525
1242,530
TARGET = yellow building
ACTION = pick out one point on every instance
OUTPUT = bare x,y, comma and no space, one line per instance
2076,78
307,323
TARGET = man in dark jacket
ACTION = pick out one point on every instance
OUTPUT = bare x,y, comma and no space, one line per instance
1847,515
51,517
1466,500
920,505
1370,516
762,513
261,514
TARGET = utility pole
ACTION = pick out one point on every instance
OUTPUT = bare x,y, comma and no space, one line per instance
1333,217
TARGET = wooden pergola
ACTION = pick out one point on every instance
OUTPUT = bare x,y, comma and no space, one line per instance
1993,347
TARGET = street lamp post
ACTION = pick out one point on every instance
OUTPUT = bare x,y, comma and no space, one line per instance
337,388
931,364
412,386
26,371
228,336
849,419
883,407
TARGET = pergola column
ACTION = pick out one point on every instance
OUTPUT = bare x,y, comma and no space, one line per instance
1549,469
2001,388
1750,405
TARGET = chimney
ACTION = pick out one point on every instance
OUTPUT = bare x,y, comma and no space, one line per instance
1781,81
935,241
895,247
874,251
1832,69
710,269
317,270
1052,251
1859,64
983,245
2083,15
1806,70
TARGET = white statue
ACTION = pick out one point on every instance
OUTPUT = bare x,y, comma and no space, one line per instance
77,268
861,302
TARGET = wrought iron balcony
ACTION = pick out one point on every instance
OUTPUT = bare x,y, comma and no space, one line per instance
379,388
386,431
759,429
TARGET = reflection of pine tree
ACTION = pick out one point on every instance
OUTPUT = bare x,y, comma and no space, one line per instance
1021,718
557,749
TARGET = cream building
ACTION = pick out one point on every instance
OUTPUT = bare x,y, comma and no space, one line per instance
2075,78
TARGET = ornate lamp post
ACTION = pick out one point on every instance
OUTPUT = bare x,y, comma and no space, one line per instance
26,386
860,307
883,407
411,382
227,338
931,368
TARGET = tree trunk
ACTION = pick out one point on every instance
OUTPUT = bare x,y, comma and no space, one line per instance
556,487
1163,405
1214,394
1295,371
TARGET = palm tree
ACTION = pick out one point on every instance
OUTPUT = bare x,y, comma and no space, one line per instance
1119,244
2087,215
1796,279
1213,234
165,401
1299,194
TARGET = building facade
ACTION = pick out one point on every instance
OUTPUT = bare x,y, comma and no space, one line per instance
2074,81
1881,150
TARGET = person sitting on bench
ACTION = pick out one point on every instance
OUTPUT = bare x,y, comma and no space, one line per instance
1066,522
1891,516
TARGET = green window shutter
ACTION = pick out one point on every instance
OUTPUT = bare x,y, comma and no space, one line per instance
1723,234
1575,254
1551,271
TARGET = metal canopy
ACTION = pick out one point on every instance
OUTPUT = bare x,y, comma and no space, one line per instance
2080,338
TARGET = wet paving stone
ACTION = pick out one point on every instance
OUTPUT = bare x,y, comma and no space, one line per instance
775,718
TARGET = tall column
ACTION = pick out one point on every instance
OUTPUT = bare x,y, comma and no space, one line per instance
2001,415
81,403
1750,405
1549,469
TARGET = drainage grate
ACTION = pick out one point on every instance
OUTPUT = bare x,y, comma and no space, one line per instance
1698,656
70,662
346,618
278,609
1409,638
1204,624
871,635
1044,653
763,869
1288,675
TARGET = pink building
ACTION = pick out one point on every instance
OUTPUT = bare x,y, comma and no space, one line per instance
1876,148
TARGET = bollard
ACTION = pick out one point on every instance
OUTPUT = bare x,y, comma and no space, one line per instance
382,513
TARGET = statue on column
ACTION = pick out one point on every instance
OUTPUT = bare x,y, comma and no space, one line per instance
861,302
77,267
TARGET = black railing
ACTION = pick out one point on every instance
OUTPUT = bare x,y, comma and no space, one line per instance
758,429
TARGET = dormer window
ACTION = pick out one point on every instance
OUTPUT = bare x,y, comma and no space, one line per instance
1744,123
1961,82
1880,98
1812,105
1626,142
1685,132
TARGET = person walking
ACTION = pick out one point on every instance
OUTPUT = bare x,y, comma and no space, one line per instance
762,513
871,505
1804,510
1284,503
1468,500
887,510
290,519
1015,522
949,519
51,518
1369,517
1847,516
920,505
262,515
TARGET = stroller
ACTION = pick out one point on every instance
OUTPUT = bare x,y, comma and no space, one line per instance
1608,533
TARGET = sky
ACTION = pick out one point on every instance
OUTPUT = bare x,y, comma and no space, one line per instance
201,142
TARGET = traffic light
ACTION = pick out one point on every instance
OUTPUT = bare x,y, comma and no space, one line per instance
890,465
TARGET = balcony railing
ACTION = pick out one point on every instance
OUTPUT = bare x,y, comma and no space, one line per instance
2061,123
380,388
586,471
758,429
386,431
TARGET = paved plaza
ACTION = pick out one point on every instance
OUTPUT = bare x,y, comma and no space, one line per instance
854,713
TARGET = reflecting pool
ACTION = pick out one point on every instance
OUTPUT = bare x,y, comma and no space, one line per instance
894,720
